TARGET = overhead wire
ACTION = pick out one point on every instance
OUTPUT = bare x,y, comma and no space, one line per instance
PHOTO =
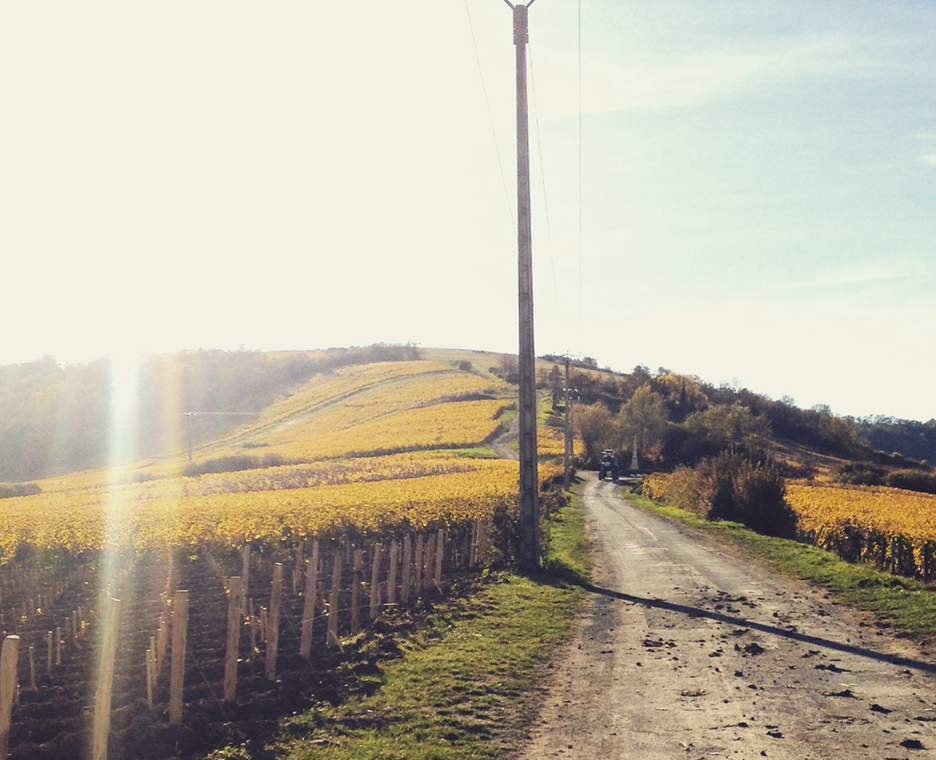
539,147
487,105
580,168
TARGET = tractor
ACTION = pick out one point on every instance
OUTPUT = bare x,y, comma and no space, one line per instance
608,465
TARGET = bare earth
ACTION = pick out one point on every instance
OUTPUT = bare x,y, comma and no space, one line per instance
686,651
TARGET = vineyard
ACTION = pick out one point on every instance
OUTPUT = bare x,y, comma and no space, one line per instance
149,612
893,529
890,528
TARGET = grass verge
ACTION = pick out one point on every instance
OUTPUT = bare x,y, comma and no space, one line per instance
464,686
902,603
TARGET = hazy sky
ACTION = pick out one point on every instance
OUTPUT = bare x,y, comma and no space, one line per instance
758,184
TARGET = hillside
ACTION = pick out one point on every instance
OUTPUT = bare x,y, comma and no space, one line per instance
382,465
55,419
680,420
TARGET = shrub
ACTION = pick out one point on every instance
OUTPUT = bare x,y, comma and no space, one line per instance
9,490
858,474
732,486
912,480
232,464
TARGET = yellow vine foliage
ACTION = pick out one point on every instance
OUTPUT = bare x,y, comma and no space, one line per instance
359,448
550,442
231,518
893,511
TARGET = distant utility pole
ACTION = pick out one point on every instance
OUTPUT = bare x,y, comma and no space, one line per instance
529,480
190,417
567,477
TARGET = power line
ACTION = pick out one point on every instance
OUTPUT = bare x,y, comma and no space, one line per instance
539,148
487,105
580,166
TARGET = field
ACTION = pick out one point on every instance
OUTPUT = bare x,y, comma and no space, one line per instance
891,528
337,505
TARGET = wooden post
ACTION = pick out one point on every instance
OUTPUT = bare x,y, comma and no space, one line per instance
235,602
102,698
245,574
161,641
49,655
440,549
272,636
308,607
252,622
392,576
529,481
297,569
171,576
333,600
375,583
356,568
32,668
152,646
58,645
8,658
407,560
429,561
180,604
418,563
150,676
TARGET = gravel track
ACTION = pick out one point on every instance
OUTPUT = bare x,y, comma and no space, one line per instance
685,650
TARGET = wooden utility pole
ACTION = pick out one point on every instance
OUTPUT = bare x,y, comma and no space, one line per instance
567,472
529,481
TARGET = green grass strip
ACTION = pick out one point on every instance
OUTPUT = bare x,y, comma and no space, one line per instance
903,603
462,688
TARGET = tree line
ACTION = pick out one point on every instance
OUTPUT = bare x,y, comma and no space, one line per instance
56,419
680,420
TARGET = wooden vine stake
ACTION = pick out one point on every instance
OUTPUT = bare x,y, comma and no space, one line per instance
308,607
49,654
105,685
440,547
375,583
356,567
162,636
430,560
418,564
407,580
252,622
235,603
245,576
333,601
392,575
150,676
297,569
8,657
32,668
180,604
272,635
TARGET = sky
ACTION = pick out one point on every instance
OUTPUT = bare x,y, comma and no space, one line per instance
745,192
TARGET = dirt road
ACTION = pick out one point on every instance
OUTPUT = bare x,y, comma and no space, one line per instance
686,651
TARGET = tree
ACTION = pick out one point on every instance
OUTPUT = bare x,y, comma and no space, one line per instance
596,427
728,424
682,394
645,416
